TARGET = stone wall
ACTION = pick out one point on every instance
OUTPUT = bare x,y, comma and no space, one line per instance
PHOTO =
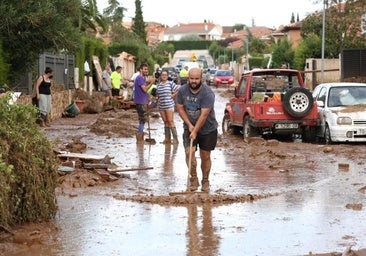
60,100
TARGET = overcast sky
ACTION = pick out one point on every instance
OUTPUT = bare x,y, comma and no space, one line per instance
269,13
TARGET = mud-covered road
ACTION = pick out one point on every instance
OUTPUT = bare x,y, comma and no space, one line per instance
267,197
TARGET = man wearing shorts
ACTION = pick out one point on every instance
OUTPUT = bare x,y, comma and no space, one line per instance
195,105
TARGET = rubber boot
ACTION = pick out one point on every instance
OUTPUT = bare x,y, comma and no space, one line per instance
175,135
205,182
167,139
193,180
139,138
40,121
47,120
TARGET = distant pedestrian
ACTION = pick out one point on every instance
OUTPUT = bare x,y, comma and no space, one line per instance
117,80
166,92
142,84
183,74
107,83
43,94
195,105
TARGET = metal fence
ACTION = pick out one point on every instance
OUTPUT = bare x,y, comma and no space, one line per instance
63,67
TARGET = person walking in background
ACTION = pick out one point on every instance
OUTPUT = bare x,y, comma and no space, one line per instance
43,94
116,79
183,74
142,84
166,92
107,83
195,105
208,75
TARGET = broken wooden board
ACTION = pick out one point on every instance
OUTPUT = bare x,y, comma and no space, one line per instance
96,166
129,169
80,156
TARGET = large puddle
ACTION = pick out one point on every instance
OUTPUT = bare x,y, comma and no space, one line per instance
309,207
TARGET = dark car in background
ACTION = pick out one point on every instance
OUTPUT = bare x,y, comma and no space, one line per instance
173,74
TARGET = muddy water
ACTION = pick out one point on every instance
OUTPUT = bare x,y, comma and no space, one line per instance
305,211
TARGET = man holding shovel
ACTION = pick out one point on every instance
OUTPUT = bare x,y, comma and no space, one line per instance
142,84
195,105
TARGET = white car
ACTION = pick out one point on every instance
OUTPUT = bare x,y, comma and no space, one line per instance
342,111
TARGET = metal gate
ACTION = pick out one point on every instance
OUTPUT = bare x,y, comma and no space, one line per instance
62,66
63,72
353,63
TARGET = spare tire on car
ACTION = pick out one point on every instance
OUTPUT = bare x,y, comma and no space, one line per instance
298,101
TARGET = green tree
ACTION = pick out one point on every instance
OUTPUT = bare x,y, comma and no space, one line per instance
139,26
4,66
292,18
89,17
29,28
114,13
282,54
238,27
191,37
257,46
342,26
309,47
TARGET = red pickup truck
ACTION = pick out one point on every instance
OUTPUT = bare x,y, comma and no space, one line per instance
272,101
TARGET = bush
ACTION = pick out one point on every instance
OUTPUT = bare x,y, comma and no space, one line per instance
28,167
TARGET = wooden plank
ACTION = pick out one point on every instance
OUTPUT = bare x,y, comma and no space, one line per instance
96,166
81,156
130,169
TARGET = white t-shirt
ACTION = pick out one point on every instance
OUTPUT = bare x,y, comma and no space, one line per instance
133,77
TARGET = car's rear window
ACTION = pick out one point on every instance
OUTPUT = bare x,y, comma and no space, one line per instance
223,73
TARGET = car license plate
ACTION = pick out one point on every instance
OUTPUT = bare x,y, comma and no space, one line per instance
286,126
224,82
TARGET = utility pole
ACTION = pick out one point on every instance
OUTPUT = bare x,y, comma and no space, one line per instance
323,44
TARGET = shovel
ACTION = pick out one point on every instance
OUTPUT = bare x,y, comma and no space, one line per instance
149,140
188,191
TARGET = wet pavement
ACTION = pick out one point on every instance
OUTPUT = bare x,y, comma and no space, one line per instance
309,207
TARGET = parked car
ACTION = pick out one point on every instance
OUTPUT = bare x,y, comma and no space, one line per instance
223,77
173,74
272,101
342,111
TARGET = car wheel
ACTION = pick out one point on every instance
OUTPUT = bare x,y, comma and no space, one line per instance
226,124
248,130
227,128
298,102
327,136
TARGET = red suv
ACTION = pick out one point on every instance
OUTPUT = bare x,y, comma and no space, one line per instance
271,101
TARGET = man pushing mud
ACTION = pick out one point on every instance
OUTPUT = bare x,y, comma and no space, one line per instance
195,105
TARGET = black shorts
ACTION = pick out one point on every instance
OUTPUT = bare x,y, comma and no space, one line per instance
115,92
205,142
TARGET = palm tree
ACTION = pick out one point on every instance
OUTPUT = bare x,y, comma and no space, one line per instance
89,17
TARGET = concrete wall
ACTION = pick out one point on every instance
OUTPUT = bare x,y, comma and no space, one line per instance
313,74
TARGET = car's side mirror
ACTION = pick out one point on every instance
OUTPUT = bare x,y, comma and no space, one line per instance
320,103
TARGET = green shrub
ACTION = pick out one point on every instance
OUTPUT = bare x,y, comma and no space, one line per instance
28,167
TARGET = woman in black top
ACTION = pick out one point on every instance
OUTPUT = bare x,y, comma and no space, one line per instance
43,93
